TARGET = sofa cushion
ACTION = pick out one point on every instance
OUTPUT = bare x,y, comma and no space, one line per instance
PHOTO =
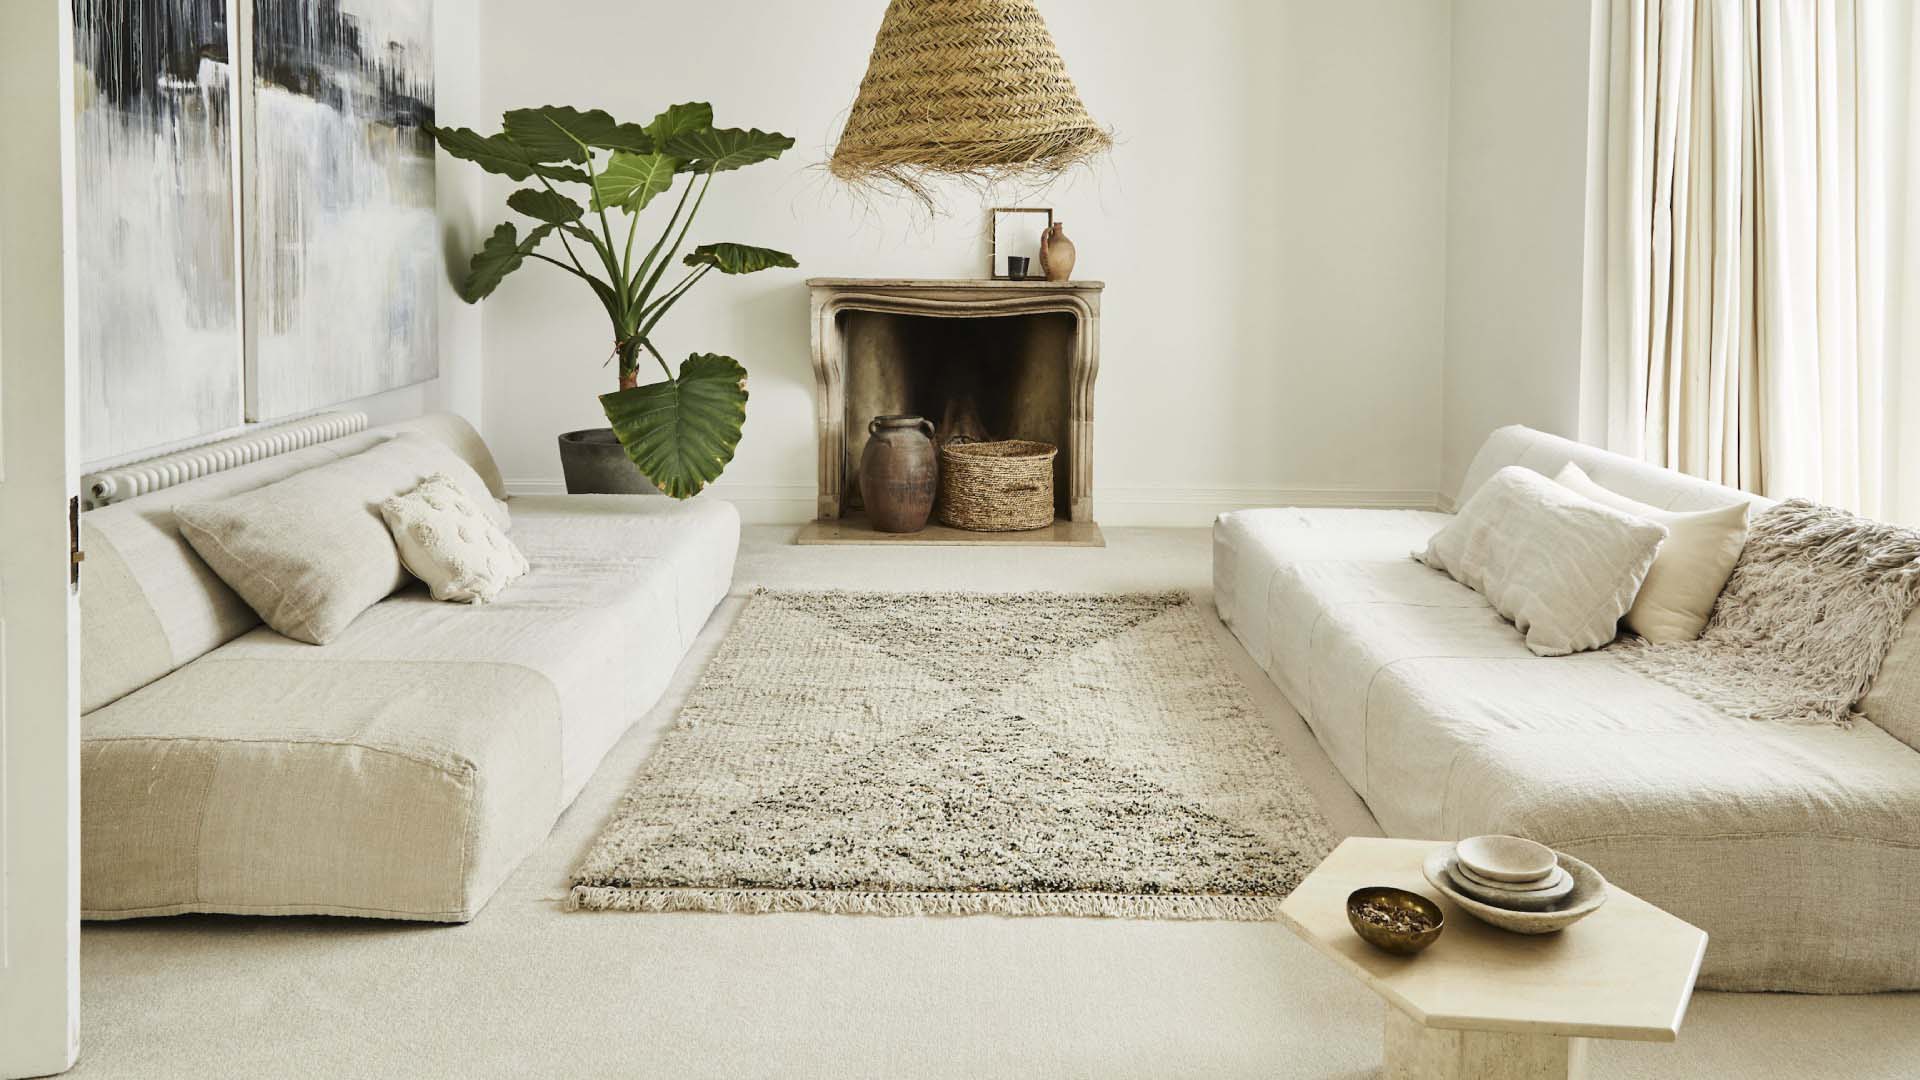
165,607
1691,568
311,552
1261,555
388,788
1637,480
619,588
1563,567
1893,702
404,768
1741,828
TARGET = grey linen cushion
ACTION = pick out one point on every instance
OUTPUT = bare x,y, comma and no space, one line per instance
1562,567
311,552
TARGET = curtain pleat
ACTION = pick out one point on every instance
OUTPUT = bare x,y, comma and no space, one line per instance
1759,175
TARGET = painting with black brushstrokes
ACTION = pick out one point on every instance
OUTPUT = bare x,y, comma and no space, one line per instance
342,255
160,358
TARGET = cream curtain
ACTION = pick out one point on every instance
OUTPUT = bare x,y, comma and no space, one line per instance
1760,276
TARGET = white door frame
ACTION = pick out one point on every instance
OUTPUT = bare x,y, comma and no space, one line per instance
39,616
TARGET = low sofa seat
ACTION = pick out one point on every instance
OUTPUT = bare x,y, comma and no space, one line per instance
1796,847
403,769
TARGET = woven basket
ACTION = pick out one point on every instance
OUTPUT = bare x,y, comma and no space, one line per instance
972,88
997,486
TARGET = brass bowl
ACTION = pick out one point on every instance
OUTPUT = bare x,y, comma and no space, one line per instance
1386,939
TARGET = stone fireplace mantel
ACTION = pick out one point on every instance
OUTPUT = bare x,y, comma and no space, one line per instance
836,300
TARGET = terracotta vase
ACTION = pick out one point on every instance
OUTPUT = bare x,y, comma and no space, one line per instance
1057,253
898,473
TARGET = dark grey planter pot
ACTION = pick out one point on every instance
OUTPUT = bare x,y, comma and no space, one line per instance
595,463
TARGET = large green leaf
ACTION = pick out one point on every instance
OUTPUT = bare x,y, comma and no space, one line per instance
721,149
679,119
559,133
499,154
543,205
738,258
682,433
502,254
630,181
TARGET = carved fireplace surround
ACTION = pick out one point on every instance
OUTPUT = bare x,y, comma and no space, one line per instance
1021,365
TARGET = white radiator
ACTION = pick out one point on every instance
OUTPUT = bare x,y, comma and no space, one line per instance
154,473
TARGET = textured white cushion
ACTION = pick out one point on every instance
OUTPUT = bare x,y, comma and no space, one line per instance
448,541
425,457
1563,567
1691,569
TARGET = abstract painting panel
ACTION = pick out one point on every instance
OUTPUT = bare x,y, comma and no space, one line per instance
160,356
343,253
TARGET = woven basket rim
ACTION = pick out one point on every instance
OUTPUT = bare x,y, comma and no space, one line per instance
1003,449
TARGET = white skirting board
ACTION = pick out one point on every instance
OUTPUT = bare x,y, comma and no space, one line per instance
1197,507
793,504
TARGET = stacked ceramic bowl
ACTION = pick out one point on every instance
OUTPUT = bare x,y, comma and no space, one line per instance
1516,884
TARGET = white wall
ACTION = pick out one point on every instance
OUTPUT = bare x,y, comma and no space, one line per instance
1516,222
1271,229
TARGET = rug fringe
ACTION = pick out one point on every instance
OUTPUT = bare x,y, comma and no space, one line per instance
843,902
1170,597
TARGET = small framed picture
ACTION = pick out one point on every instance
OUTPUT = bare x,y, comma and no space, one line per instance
1013,241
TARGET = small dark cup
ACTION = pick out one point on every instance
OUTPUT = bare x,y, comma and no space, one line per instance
1017,267
1398,942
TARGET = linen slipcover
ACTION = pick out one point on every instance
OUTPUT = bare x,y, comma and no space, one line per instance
1796,847
405,768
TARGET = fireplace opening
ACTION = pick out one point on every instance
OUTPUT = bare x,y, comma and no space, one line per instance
991,360
986,378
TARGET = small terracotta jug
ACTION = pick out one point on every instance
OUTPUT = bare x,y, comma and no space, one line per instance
898,473
1057,253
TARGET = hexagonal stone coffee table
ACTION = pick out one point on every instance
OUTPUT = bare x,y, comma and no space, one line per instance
1492,1005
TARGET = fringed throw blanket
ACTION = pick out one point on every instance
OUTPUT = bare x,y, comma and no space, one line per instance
1815,602
943,753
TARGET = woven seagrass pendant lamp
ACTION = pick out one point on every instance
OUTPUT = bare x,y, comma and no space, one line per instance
968,88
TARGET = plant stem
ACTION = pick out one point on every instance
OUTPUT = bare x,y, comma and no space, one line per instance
629,353
678,240
626,257
635,296
563,233
661,359
600,207
659,307
569,269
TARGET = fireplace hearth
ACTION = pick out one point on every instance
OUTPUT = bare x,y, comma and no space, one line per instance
986,360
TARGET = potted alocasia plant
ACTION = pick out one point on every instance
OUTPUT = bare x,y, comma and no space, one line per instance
680,432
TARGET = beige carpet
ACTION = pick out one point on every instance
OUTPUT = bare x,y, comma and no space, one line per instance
528,989
963,754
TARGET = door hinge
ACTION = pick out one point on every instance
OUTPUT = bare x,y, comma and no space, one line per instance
74,555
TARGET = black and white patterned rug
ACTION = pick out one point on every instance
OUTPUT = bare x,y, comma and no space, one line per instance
949,753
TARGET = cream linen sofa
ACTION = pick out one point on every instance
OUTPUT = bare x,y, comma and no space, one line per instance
1797,848
400,771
